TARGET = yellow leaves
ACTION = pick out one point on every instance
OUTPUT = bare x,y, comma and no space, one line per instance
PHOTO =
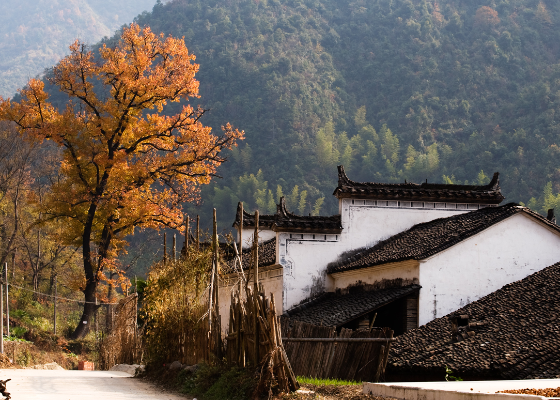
152,68
124,163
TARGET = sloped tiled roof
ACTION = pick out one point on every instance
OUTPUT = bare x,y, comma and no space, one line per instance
513,333
285,221
429,238
333,309
267,256
487,194
265,220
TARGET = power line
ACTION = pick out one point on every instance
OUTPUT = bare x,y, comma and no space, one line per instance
61,298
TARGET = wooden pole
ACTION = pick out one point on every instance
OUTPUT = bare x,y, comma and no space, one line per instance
164,247
256,244
55,298
256,336
241,234
7,301
197,232
174,250
2,316
218,326
186,245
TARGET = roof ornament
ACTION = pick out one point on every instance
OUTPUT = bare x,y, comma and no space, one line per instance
495,182
551,217
281,210
342,177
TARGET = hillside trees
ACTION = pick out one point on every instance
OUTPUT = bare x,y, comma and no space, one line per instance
124,164
33,253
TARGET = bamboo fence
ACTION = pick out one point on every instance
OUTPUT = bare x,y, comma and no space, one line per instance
348,355
123,345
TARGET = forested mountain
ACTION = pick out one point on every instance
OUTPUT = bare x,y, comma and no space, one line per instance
36,33
393,89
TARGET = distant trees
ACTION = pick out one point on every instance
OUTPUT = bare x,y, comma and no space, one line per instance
486,17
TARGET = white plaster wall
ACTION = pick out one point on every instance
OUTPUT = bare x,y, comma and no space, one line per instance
366,225
305,259
264,235
305,265
271,280
504,253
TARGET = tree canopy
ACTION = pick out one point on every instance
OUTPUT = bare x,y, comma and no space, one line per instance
124,163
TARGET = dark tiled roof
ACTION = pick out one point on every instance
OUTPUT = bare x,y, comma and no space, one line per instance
286,221
429,238
333,309
513,333
267,256
265,220
487,194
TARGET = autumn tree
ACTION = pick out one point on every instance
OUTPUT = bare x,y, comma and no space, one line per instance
125,164
486,17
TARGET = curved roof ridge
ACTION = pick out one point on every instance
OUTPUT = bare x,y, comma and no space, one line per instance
489,193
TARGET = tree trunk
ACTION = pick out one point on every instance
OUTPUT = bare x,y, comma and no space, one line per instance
110,307
89,311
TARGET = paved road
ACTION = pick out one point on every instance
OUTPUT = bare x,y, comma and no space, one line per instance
32,384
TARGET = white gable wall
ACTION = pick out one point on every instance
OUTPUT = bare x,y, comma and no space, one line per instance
264,235
365,222
504,253
304,258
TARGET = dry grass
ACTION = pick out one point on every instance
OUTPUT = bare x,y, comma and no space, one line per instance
174,309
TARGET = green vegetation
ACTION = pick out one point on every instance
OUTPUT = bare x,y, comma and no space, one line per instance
393,90
323,382
218,382
449,377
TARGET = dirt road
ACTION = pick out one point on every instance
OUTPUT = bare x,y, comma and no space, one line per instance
31,384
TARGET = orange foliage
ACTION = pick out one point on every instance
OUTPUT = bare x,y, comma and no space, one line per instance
125,164
486,17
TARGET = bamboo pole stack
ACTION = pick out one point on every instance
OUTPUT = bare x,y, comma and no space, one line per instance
254,328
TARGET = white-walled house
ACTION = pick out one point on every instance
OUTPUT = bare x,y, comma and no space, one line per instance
407,253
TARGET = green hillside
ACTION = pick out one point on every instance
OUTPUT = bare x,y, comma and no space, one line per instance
36,33
393,89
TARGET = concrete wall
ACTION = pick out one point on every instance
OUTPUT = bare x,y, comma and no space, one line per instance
506,252
270,277
455,390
